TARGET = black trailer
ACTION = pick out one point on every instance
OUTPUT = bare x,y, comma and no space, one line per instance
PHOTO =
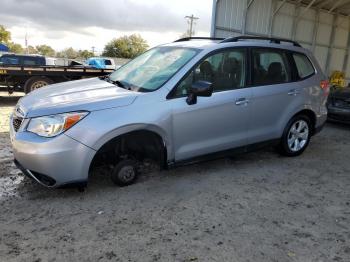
28,78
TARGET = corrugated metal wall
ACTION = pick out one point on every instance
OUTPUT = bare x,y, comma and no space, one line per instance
314,29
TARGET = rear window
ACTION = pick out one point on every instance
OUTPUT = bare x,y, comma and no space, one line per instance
304,66
108,62
270,67
30,62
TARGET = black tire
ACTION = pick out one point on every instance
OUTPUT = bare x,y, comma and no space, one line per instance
36,82
294,150
125,173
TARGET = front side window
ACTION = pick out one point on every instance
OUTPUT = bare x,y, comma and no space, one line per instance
225,70
152,69
304,66
270,67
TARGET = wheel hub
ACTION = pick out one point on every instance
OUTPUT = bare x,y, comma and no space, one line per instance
126,173
38,84
298,135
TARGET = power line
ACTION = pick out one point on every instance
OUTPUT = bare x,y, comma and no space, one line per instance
191,20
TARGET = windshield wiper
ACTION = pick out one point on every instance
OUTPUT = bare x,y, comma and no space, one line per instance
120,83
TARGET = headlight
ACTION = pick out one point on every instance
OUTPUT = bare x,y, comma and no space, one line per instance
49,126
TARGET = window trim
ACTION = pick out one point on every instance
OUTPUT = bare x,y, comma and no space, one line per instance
296,67
172,93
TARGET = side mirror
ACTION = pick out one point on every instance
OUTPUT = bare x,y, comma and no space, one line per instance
199,88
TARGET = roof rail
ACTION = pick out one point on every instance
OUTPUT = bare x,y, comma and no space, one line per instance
271,39
198,38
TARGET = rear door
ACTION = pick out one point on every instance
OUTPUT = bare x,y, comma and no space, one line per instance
275,93
218,122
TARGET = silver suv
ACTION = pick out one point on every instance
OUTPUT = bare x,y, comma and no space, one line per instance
176,103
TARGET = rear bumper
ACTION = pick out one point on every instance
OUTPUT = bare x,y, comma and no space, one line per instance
52,162
340,115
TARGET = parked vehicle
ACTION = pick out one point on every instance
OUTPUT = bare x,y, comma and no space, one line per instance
29,72
339,105
177,103
101,63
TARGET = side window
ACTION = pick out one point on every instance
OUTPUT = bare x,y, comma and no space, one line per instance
304,66
225,70
270,67
108,62
29,61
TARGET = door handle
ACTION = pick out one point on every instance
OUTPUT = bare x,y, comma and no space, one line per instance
293,92
242,101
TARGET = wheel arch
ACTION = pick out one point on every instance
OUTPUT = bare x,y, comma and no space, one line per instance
311,115
139,134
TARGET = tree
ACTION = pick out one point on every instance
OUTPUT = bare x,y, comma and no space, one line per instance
15,48
32,50
85,54
5,36
67,53
45,50
126,47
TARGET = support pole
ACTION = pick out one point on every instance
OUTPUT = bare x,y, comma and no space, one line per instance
314,36
295,20
331,45
213,18
244,22
346,57
274,12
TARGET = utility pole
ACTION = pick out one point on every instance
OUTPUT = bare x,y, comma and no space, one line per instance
191,20
26,41
93,50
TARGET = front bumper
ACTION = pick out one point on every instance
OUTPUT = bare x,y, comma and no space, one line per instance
341,115
52,162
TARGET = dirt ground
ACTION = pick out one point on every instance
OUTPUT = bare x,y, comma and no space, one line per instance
254,207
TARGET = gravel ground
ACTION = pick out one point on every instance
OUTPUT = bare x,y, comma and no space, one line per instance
254,207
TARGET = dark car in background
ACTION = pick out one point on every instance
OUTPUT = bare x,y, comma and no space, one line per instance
339,105
22,60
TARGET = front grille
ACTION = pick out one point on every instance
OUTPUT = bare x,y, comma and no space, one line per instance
16,123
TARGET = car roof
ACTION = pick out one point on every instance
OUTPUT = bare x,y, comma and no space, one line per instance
217,44
16,55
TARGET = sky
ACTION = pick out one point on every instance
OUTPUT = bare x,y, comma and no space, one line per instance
82,24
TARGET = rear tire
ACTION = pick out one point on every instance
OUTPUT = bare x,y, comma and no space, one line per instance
296,136
36,82
125,173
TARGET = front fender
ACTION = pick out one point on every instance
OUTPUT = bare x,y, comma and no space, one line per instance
101,126
130,128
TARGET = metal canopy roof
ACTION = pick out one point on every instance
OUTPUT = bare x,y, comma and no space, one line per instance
332,6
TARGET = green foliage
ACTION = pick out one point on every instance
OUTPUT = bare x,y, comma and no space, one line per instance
85,54
5,36
15,48
32,50
67,53
126,47
45,50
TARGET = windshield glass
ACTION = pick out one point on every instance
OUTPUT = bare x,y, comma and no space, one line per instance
152,69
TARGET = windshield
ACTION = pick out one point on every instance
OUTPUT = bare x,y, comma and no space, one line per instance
152,69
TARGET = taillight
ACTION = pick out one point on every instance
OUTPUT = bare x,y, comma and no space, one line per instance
325,87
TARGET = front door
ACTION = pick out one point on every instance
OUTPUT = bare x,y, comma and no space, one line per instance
218,122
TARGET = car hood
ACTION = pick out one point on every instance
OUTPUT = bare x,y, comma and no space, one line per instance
81,95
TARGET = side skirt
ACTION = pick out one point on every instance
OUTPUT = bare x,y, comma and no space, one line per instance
223,154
